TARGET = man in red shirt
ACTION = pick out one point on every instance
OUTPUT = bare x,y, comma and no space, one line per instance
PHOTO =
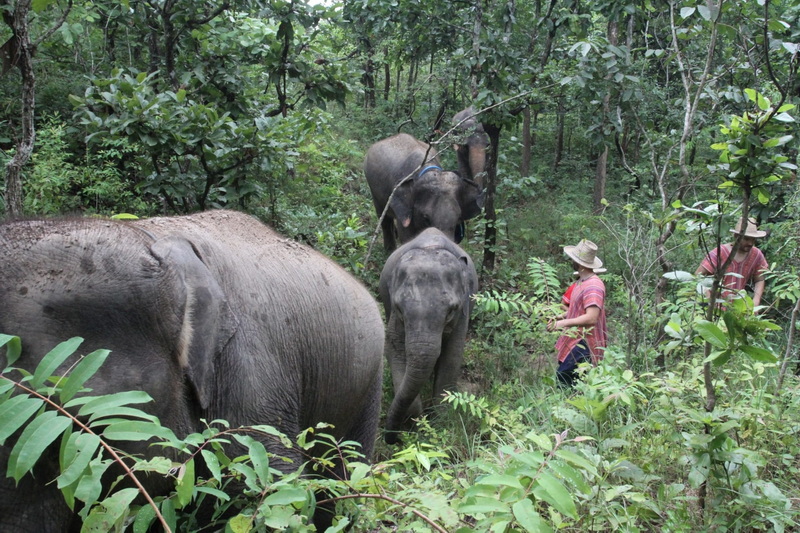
747,265
586,313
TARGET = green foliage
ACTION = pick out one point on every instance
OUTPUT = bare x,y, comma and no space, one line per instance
751,157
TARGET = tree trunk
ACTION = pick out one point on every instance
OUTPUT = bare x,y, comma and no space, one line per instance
525,165
387,73
600,175
489,213
558,152
23,60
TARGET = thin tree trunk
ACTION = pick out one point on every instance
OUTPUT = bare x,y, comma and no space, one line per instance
525,164
558,152
489,212
600,176
23,54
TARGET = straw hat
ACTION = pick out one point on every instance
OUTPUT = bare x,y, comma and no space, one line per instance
585,254
752,229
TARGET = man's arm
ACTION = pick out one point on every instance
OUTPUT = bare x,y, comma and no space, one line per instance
589,318
758,291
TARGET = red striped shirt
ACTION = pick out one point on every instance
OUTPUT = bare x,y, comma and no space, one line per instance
752,268
587,293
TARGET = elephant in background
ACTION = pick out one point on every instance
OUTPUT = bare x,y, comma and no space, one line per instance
471,154
431,197
426,287
214,315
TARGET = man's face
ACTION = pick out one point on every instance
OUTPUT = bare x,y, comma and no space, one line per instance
746,244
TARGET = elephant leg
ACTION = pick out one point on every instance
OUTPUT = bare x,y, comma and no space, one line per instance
389,241
448,367
365,427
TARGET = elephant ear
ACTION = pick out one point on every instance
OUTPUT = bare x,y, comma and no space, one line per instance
402,203
471,198
207,321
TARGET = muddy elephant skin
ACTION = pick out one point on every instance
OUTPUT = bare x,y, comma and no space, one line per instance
426,288
214,315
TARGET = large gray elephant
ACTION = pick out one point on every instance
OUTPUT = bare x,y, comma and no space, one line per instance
471,151
214,315
426,288
431,197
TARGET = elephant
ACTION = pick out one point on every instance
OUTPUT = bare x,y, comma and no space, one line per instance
471,154
431,197
425,287
214,315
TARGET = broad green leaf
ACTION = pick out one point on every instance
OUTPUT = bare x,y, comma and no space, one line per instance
76,456
36,436
84,370
185,486
109,512
359,472
719,357
212,464
40,5
14,412
711,333
542,441
144,519
53,360
135,430
286,496
759,354
526,515
577,460
553,492
570,475
686,12
108,401
168,512
704,12
13,346
483,505
500,480
218,494
240,524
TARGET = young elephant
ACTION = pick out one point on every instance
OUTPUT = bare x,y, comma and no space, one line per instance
425,287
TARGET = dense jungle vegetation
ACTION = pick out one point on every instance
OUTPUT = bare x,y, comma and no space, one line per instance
646,126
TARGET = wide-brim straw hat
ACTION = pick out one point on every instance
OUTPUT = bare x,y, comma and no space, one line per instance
585,254
752,229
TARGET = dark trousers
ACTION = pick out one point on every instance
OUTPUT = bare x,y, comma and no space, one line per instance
566,372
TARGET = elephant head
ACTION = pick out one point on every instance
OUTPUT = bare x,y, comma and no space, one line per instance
426,287
471,152
406,174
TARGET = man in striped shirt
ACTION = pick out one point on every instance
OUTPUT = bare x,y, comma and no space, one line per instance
748,263
586,332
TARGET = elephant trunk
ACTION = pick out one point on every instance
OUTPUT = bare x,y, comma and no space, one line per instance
421,360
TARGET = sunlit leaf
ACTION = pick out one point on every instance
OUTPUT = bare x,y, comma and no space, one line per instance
759,354
711,333
527,517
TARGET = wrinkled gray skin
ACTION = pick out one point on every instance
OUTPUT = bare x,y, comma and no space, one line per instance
425,288
471,153
214,315
433,198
